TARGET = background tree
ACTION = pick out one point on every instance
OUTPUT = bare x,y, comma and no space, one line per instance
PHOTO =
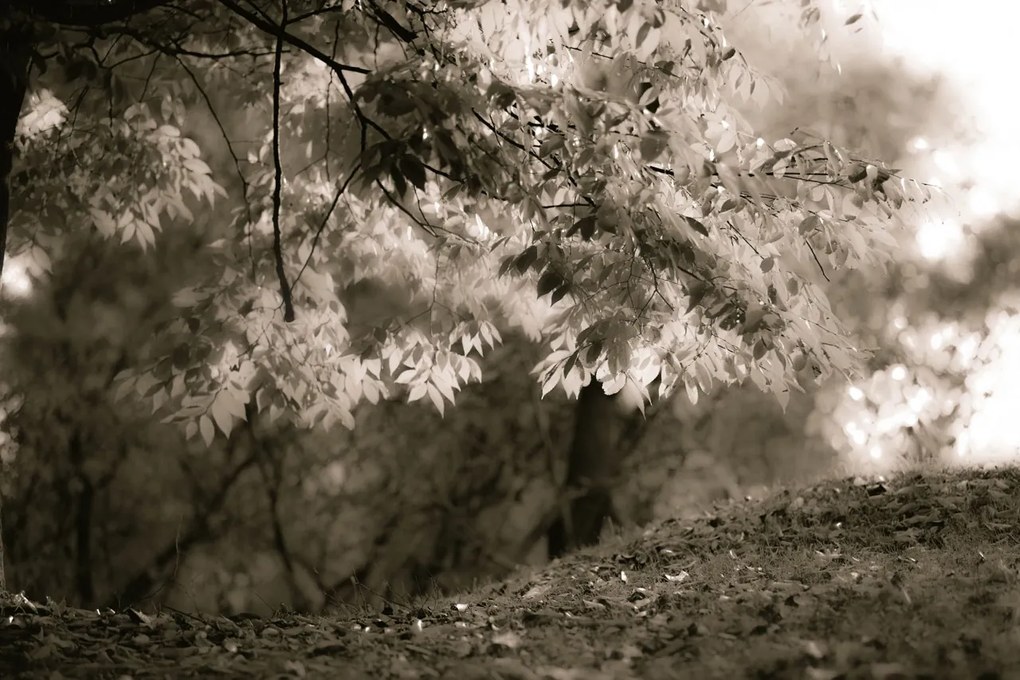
464,155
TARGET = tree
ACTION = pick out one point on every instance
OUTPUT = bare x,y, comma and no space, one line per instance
471,154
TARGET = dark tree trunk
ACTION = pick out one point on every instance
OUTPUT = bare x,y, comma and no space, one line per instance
85,491
15,51
592,470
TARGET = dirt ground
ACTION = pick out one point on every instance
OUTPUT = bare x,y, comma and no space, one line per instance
914,577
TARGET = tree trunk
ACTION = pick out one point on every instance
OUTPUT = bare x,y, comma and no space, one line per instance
592,470
15,51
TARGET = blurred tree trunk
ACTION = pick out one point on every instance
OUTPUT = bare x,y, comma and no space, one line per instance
15,51
593,469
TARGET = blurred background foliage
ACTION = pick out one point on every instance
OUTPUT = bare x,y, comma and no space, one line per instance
107,506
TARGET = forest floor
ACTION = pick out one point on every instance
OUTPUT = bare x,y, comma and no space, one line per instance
918,576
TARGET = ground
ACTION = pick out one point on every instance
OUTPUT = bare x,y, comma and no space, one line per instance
917,576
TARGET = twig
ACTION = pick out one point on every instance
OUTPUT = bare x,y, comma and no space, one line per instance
817,261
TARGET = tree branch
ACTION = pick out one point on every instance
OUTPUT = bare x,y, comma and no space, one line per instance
386,19
86,13
281,34
285,292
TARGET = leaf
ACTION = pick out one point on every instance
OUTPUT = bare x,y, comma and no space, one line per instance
642,35
753,321
653,144
413,170
489,333
506,264
526,259
417,392
691,388
127,385
104,221
552,143
549,383
406,377
854,18
614,384
205,426
443,383
809,223
586,225
730,203
127,233
578,113
437,399
181,356
859,172
197,166
649,94
399,183
696,225
696,293
189,148
548,281
222,412
785,145
648,41
728,54
767,264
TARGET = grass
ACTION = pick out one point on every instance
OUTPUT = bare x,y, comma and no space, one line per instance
917,577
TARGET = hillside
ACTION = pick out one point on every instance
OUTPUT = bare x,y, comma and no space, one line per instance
918,576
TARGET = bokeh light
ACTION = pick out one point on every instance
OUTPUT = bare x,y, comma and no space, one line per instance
15,280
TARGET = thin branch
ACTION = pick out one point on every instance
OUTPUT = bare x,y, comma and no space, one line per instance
817,261
223,131
325,220
282,35
285,292
400,206
173,46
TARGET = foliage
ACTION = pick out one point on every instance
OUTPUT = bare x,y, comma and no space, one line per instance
471,154
405,502
600,214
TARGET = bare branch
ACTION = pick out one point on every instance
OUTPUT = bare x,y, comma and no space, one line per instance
285,292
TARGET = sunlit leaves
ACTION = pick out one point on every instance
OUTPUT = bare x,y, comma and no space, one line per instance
128,176
581,172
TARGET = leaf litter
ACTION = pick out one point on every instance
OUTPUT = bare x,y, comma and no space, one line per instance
917,576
